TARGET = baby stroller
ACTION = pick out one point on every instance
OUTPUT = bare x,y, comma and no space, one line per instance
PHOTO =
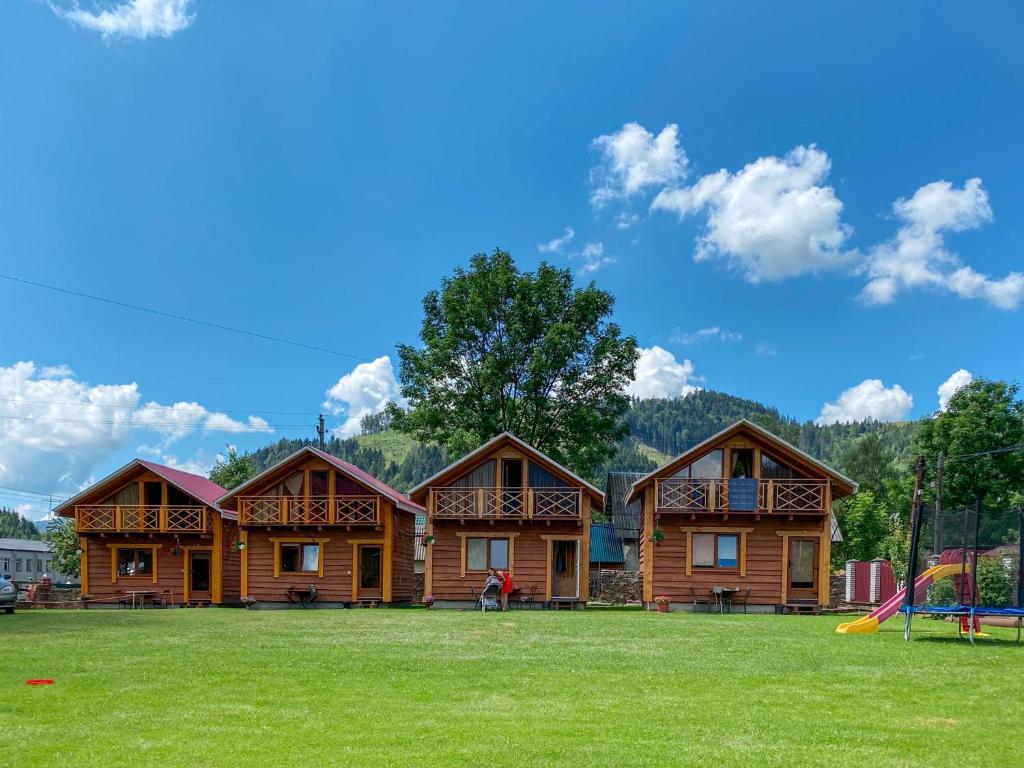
489,597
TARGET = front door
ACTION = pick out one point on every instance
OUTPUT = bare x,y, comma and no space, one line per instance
565,569
512,502
370,581
199,575
803,569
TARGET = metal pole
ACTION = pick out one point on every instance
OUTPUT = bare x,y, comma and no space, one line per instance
974,567
938,523
320,430
915,540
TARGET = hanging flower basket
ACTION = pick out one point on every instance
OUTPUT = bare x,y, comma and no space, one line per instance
658,535
176,550
428,539
663,602
239,545
428,601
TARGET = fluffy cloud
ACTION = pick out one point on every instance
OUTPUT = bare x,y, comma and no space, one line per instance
659,374
633,159
363,391
593,258
917,256
773,219
135,18
55,430
870,399
558,243
949,387
714,333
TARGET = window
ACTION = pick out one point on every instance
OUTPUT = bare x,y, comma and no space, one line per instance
707,467
300,558
772,469
715,550
17,564
7,564
134,562
482,554
39,566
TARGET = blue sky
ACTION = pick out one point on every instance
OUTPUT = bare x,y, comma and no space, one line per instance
789,204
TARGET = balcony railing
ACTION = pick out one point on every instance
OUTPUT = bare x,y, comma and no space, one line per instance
506,503
785,497
140,518
308,510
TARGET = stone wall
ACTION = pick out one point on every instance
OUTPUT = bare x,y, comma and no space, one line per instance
619,587
837,590
417,596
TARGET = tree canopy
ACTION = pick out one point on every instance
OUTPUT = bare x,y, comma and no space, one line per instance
523,352
63,541
235,469
14,526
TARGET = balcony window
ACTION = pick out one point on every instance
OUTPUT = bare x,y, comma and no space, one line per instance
715,550
482,554
773,469
707,467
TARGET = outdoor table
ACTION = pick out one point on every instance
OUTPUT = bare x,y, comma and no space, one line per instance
722,594
142,595
302,596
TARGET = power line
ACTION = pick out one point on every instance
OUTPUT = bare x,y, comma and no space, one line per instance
183,318
158,408
111,422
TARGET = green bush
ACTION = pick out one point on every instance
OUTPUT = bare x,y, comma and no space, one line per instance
942,593
997,583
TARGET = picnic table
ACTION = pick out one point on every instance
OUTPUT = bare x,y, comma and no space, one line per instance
723,597
302,596
140,596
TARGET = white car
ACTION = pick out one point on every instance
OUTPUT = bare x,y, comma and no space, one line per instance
8,594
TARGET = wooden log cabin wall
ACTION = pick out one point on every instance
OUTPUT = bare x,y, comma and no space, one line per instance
509,507
743,511
314,528
155,532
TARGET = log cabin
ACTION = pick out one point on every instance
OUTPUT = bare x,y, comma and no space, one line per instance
317,530
509,507
153,533
746,511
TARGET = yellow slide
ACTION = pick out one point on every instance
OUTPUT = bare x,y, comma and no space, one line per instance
867,625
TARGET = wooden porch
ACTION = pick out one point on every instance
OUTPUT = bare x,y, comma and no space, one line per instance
481,503
787,497
309,510
137,518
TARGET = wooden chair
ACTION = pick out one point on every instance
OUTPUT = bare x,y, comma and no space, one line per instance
698,600
740,597
528,599
123,600
474,594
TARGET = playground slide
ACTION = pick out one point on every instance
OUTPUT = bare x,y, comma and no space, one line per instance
867,625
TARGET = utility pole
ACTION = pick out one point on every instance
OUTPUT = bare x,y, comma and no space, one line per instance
916,511
320,430
937,523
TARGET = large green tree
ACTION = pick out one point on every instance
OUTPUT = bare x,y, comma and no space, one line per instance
234,469
14,526
981,417
63,541
524,352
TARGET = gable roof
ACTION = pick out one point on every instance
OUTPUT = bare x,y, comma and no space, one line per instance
197,486
625,517
362,477
845,485
605,546
492,444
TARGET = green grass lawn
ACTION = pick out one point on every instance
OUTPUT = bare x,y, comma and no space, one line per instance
206,687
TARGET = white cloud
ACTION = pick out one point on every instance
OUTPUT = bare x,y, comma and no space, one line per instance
558,243
714,333
773,219
917,255
766,350
626,220
56,372
133,18
593,258
949,387
870,399
55,432
659,374
363,391
632,159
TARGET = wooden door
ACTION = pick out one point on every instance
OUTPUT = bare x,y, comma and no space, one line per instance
200,574
803,569
370,572
565,569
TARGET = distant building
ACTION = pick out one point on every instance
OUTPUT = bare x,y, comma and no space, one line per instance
29,560
605,548
625,517
420,556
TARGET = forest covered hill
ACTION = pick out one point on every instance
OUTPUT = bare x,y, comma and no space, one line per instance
658,429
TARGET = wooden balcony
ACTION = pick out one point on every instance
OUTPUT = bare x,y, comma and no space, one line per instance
137,518
768,497
506,503
309,510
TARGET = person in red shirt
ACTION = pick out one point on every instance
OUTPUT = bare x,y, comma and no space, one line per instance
506,588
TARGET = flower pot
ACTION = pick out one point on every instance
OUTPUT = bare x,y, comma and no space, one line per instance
662,607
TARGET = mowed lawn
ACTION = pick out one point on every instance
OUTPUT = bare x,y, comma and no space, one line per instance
210,687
